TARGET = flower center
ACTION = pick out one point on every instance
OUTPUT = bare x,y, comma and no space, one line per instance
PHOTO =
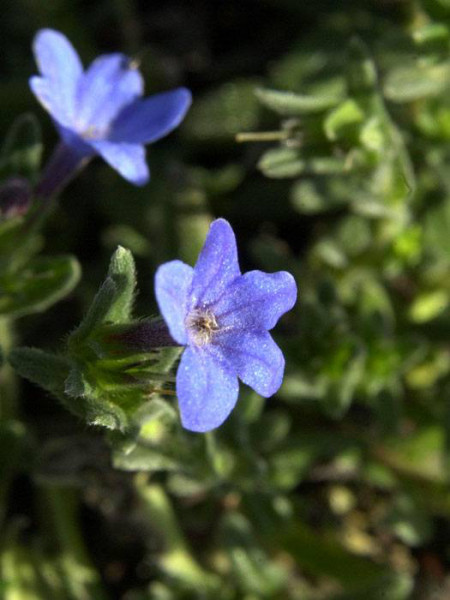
93,133
202,325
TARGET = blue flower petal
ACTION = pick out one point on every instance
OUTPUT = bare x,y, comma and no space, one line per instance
256,300
206,390
217,265
53,103
255,357
61,70
146,121
108,85
74,141
127,159
172,283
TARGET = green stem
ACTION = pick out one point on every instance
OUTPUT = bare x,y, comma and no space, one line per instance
176,559
61,505
8,380
262,136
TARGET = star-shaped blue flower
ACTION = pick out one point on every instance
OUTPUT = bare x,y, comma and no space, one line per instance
101,110
223,318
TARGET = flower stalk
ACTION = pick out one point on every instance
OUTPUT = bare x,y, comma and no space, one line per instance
61,168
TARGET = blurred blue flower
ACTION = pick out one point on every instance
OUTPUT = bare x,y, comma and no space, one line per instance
223,318
100,110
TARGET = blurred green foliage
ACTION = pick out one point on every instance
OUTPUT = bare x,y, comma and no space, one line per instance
338,487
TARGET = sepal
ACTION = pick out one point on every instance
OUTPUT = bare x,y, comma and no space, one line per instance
113,302
112,365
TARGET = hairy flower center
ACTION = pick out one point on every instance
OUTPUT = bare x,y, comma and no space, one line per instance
93,133
202,325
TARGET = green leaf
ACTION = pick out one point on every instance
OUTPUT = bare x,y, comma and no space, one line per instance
292,104
288,466
428,305
329,252
41,283
392,586
409,522
312,196
176,559
30,574
22,149
408,83
216,182
437,231
354,235
143,458
223,113
361,71
47,370
343,119
153,449
340,393
288,162
431,34
252,570
322,555
14,236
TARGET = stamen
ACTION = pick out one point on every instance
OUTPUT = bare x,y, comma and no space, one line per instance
92,133
202,325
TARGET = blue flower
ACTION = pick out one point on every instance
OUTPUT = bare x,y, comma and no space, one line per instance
223,318
101,110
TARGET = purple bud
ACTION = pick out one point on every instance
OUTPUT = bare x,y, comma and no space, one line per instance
127,340
15,197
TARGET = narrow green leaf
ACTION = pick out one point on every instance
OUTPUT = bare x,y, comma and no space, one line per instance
408,83
279,163
47,370
292,104
343,119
